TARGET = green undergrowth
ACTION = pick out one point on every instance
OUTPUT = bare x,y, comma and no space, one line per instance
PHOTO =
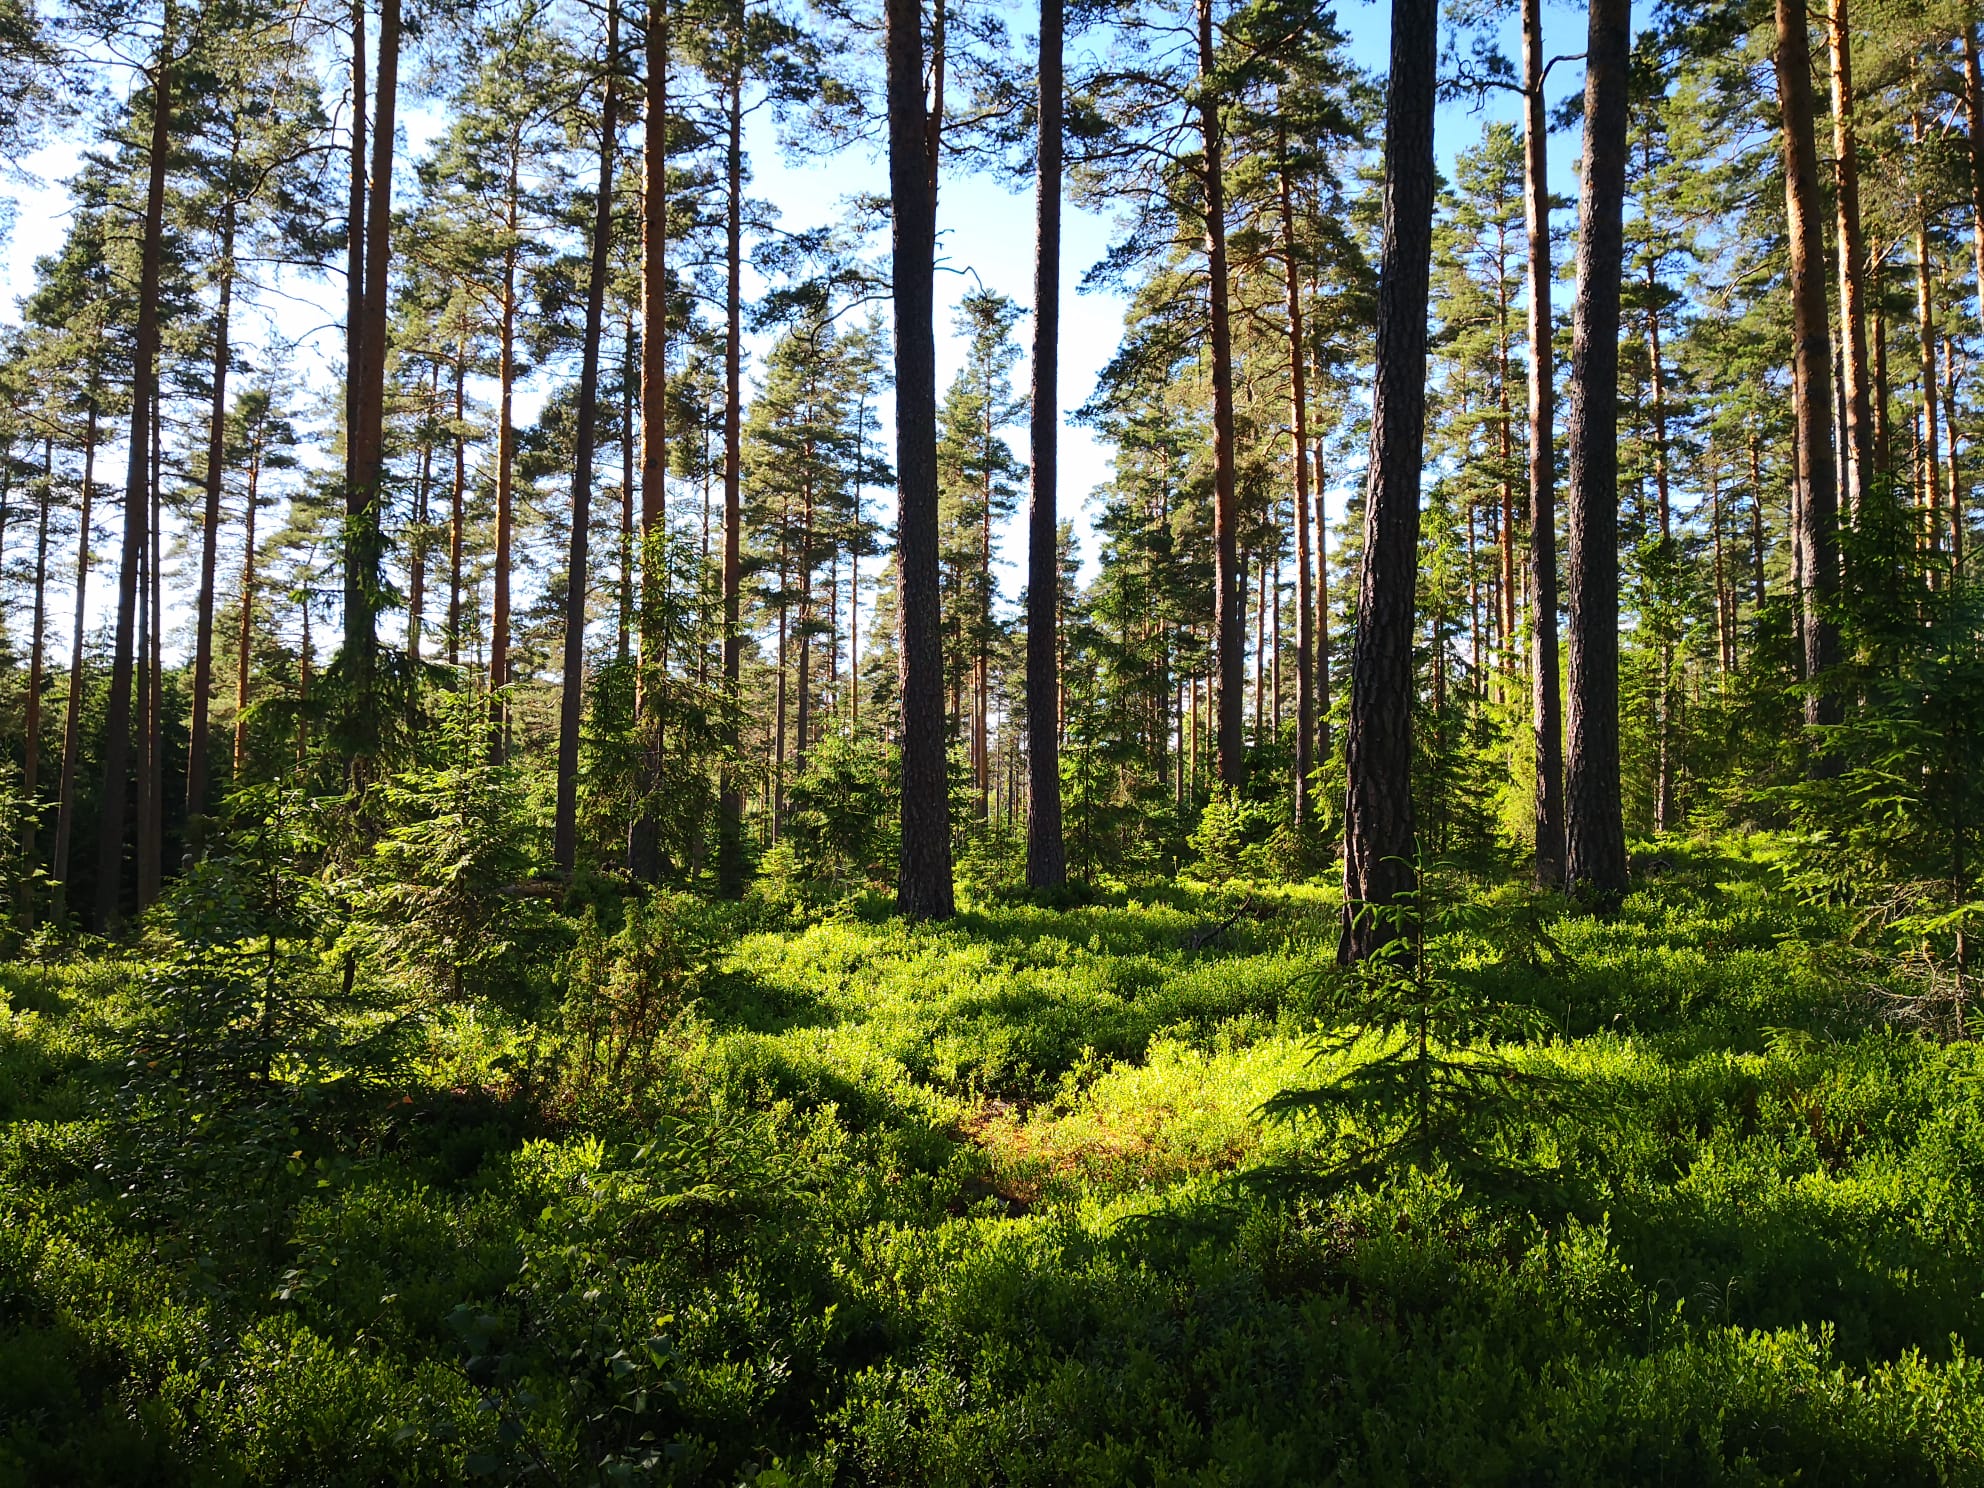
859,1202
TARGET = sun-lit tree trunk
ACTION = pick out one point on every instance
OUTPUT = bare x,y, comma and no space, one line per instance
1595,840
72,708
1851,254
730,809
1929,473
571,704
1546,697
113,806
1811,353
923,885
203,624
643,844
1380,872
416,597
506,460
362,538
1229,603
1298,411
31,708
246,641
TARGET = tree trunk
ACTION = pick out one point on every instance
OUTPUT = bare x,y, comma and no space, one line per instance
730,806
643,839
114,803
31,709
504,500
72,708
1812,340
247,637
1852,256
363,499
1595,840
203,628
571,703
1929,475
1229,604
1547,718
1046,855
1298,412
151,773
416,598
923,886
1973,106
1380,872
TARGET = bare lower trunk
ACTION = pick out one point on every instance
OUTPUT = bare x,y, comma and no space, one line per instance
1818,511
1379,857
1595,843
203,625
923,887
730,812
1229,603
1046,858
571,705
113,805
1546,702
1852,258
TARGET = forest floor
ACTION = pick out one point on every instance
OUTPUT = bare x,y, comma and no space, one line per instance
854,1202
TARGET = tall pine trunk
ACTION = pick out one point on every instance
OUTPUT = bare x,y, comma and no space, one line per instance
571,705
1379,869
1811,337
1852,258
31,711
643,845
362,539
506,461
730,802
1547,715
203,625
246,640
1229,603
1046,855
1595,838
72,709
923,885
1298,411
115,801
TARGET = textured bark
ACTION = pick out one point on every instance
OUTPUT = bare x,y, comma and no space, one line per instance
1046,855
506,522
1973,107
923,886
72,709
1811,354
1298,412
31,710
1929,475
1229,603
1379,870
1858,423
1595,842
151,735
1546,696
246,640
114,803
363,546
203,624
730,803
571,703
643,850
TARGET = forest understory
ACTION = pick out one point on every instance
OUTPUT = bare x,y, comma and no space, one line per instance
698,1192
